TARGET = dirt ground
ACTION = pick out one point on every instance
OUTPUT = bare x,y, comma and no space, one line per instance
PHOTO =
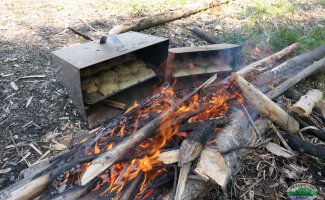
30,30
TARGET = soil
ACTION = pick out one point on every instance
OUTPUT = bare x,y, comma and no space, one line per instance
30,30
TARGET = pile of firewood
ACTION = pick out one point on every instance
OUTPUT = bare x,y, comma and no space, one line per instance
172,145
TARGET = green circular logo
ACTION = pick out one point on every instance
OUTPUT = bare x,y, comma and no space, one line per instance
302,191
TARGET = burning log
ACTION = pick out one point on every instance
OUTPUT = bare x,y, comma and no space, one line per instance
169,157
305,105
266,106
150,21
193,145
112,156
221,121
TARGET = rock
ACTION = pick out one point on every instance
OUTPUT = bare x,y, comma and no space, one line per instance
12,178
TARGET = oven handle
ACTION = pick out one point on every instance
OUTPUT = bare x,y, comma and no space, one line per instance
113,40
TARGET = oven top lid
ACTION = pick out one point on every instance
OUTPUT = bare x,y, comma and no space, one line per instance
90,53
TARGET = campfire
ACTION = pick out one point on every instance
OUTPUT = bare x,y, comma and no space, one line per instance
160,148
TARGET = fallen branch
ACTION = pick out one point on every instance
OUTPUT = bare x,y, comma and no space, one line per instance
80,33
205,35
266,63
303,146
154,20
266,106
296,78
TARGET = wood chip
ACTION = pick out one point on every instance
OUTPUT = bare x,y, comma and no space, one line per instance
29,101
278,150
14,86
36,149
4,171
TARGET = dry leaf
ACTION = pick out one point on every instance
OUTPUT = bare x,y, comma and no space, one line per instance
278,150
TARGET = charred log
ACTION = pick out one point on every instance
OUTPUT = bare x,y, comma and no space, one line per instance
303,146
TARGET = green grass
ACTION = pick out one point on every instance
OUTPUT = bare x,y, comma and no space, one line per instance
285,36
262,12
143,7
322,3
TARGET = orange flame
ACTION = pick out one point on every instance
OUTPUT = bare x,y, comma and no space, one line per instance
121,173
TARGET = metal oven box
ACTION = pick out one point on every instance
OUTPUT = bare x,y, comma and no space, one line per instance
71,61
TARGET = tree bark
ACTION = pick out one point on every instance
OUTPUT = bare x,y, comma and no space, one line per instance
266,63
150,21
266,106
303,146
305,105
290,67
205,35
296,78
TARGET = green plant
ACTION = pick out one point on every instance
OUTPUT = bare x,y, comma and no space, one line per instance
284,37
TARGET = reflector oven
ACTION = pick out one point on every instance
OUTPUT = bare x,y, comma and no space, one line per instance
122,69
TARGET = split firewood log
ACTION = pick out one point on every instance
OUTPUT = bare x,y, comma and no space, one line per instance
190,149
305,105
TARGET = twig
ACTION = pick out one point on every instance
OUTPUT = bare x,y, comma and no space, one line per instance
280,137
31,76
251,187
13,141
245,147
251,121
175,182
88,25
80,33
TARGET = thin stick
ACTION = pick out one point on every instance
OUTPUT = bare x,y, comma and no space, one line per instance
13,141
251,121
245,147
283,141
80,33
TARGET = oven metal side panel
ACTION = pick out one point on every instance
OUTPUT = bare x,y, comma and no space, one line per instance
69,77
